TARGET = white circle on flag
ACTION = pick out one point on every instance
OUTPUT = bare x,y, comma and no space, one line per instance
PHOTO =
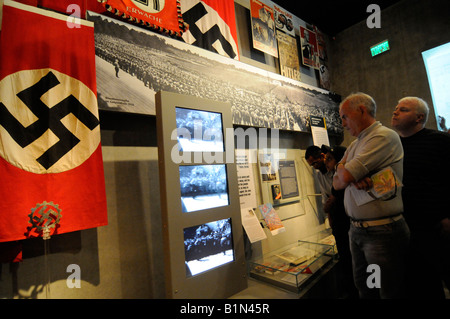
150,6
26,157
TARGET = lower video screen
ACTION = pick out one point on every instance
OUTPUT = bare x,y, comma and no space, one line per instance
203,187
208,246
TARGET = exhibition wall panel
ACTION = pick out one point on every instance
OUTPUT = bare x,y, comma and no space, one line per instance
148,63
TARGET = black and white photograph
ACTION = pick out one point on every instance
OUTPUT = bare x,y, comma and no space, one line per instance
199,131
208,246
149,62
203,187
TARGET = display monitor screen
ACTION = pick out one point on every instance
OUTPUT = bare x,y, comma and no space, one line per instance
203,187
199,131
208,246
437,64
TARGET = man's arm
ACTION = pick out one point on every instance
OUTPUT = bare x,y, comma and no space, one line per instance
342,178
378,151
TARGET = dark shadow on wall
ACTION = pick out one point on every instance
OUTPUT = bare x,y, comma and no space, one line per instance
138,211
29,278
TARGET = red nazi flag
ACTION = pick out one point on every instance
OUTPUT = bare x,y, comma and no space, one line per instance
51,168
212,26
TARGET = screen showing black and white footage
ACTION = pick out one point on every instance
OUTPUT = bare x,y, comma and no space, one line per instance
208,246
203,187
199,131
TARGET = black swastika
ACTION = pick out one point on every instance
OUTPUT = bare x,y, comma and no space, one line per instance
156,4
206,40
48,118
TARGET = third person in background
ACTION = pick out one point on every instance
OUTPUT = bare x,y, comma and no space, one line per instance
425,191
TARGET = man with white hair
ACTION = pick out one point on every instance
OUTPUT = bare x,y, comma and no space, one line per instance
379,235
425,191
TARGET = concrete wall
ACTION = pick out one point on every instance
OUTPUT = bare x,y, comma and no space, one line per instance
411,26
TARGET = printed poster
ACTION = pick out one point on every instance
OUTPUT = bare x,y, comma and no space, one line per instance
321,45
283,20
263,28
310,54
289,62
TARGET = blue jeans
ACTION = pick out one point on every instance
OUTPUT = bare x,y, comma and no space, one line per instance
385,246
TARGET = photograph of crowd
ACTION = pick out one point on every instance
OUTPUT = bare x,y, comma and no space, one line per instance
133,64
203,187
208,246
199,131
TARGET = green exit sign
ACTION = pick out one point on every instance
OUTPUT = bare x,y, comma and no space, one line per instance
379,48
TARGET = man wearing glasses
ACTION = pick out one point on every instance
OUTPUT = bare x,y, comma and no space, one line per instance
379,235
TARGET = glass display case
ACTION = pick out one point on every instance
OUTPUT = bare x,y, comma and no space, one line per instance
291,267
324,237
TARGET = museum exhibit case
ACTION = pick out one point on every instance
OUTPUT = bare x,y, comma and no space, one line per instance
292,267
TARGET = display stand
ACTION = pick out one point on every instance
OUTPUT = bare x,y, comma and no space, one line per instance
202,230
46,237
293,266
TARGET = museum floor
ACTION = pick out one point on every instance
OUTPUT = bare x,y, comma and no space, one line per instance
324,286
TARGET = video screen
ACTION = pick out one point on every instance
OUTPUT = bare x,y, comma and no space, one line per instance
199,131
203,187
208,246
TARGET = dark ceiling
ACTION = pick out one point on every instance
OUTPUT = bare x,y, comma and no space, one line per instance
332,17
